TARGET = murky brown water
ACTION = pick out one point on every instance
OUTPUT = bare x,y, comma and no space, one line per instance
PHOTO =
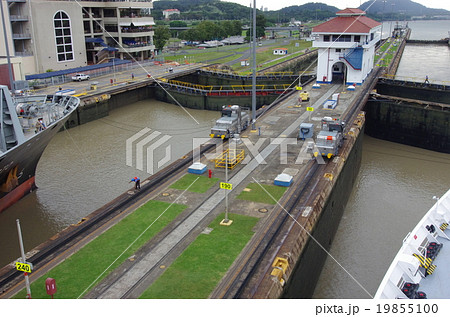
85,167
394,189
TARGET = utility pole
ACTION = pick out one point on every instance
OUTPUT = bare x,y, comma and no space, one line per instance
27,281
390,24
254,68
382,19
226,186
226,190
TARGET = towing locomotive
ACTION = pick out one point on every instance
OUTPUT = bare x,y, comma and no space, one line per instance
232,121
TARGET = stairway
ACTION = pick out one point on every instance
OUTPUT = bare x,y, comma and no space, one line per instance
11,132
354,57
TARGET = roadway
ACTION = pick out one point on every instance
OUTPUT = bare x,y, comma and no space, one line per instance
109,82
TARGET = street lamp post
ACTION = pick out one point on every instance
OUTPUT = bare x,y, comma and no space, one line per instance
254,68
22,251
226,190
390,23
382,18
114,67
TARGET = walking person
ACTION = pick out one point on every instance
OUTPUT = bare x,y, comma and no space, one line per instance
137,181
426,80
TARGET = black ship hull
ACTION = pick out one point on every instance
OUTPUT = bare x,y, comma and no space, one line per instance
18,165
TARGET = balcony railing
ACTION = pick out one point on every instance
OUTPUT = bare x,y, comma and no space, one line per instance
21,36
136,30
25,53
94,16
15,18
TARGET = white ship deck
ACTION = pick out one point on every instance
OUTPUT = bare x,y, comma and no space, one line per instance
437,285
418,268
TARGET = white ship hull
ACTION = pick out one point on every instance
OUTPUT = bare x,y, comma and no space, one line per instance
421,269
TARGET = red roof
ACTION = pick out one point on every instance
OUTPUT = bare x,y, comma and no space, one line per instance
351,11
347,24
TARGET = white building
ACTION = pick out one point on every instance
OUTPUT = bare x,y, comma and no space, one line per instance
280,51
57,35
346,47
167,13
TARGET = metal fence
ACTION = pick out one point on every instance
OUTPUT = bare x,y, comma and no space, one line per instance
61,79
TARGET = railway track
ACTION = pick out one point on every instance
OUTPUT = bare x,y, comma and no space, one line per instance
73,234
46,252
242,282
257,249
106,288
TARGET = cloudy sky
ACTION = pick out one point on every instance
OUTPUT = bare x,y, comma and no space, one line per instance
341,4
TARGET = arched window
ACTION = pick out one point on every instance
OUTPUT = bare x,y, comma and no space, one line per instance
63,37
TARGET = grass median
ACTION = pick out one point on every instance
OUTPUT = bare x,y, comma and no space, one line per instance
255,193
96,260
197,271
195,183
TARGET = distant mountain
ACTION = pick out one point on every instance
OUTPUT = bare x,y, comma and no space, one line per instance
399,8
202,10
220,10
306,12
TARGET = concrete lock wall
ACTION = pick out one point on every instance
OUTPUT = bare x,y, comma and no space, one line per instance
131,96
410,124
305,275
208,80
90,109
94,107
419,92
210,102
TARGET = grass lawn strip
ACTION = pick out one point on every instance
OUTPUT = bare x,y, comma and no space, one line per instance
197,271
257,194
201,185
76,273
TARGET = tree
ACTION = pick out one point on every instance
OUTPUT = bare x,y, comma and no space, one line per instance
227,27
179,24
190,35
161,36
208,30
260,27
237,27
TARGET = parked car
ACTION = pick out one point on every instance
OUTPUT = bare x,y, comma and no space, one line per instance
80,77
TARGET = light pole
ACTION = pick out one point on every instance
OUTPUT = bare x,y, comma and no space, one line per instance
226,190
382,18
254,68
114,66
390,23
22,251
226,186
